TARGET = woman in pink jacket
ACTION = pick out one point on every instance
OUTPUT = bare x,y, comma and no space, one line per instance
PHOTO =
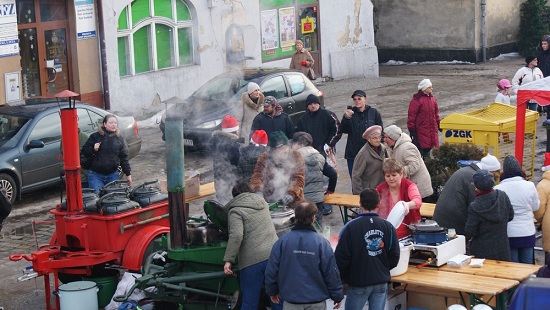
423,119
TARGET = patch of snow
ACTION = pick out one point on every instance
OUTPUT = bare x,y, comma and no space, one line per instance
153,121
506,56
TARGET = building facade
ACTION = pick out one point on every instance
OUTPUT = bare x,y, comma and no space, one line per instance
432,30
129,56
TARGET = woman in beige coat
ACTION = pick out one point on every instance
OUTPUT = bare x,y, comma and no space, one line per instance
542,215
408,155
301,60
248,107
367,167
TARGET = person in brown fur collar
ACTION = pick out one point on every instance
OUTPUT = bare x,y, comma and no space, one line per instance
280,172
250,105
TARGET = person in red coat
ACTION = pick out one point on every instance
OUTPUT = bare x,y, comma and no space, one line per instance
423,119
394,189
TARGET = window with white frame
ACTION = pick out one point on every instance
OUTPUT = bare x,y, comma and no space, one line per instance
154,35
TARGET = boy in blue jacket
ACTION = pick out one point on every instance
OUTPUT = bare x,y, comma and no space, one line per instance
367,249
301,269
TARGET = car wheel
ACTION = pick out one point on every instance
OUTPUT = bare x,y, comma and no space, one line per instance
8,187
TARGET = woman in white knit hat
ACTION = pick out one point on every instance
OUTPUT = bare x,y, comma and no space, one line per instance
250,105
423,118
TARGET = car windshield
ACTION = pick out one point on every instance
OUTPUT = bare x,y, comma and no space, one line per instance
220,88
10,126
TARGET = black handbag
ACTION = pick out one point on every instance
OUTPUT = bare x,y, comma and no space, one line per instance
311,74
86,162
5,207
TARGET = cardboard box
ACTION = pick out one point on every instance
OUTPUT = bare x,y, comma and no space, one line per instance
192,185
397,300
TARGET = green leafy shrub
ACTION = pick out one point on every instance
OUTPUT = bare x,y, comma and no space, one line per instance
443,163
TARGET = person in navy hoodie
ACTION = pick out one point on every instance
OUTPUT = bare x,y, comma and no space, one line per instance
367,250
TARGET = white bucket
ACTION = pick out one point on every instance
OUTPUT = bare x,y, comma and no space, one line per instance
80,295
403,264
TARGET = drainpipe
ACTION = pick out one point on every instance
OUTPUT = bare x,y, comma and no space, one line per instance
483,31
103,54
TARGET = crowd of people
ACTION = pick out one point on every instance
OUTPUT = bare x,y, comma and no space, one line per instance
289,163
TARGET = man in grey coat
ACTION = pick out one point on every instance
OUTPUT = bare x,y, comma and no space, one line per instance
451,209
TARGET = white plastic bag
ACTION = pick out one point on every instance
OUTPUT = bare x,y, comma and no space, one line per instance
128,279
331,159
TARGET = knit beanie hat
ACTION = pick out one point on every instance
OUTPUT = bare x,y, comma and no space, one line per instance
529,58
252,87
393,132
312,99
483,180
511,165
229,124
259,137
372,129
277,139
489,163
425,83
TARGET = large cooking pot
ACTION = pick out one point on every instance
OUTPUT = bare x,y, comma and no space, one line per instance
147,193
427,232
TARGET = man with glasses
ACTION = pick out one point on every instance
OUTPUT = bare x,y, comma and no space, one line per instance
355,121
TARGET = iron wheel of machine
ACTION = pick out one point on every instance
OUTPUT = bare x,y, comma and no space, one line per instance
150,249
8,187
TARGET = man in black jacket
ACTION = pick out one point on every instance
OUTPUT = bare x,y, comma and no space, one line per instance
273,119
366,252
323,126
355,121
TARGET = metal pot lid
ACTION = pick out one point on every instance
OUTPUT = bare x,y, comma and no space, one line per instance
428,229
114,198
217,215
146,189
281,211
425,223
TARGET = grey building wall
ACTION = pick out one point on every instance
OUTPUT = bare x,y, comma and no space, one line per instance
431,30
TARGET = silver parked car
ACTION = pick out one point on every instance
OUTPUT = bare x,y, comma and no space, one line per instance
30,142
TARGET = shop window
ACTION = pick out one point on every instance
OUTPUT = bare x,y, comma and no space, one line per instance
154,35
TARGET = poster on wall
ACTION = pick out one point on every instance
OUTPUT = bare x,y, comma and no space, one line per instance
270,32
287,26
85,19
9,39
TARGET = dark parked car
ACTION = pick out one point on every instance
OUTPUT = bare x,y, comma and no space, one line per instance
204,110
30,142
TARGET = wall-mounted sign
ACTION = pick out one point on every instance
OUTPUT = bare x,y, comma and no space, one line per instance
270,31
308,25
85,19
287,26
9,39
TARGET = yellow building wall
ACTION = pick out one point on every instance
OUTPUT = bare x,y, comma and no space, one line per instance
7,65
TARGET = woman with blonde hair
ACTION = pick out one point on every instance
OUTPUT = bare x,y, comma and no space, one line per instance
396,188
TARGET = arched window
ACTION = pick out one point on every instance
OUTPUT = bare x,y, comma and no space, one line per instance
154,35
